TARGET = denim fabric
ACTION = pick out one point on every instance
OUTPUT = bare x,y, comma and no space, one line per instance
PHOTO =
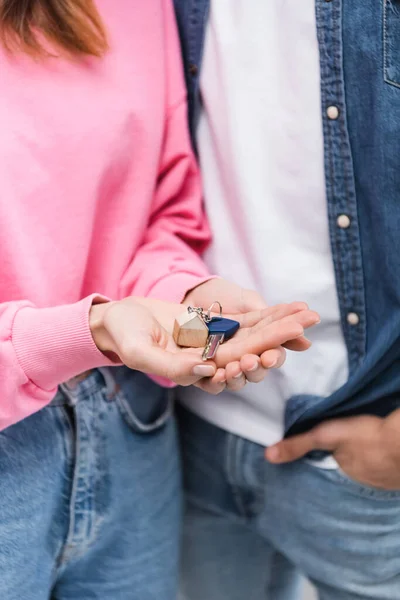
269,523
359,45
89,505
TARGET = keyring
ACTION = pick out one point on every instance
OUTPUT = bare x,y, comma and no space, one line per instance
211,307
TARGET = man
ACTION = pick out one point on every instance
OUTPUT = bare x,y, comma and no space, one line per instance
295,114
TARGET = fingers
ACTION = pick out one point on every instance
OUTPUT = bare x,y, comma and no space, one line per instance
306,318
264,338
235,376
252,368
273,359
235,379
272,313
183,368
327,436
213,385
279,311
291,449
299,345
255,368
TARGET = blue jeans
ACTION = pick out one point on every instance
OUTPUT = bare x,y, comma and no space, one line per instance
90,496
252,527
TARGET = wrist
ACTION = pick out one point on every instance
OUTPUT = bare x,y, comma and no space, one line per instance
190,298
195,296
100,335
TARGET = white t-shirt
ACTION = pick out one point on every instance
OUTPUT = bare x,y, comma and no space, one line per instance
261,152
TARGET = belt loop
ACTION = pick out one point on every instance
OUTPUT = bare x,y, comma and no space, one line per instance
109,380
69,393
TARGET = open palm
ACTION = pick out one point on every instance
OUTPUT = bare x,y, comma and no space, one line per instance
141,331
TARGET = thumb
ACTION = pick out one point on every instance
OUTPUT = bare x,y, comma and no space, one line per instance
183,368
327,436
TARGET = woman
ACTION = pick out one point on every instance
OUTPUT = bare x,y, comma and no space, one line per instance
100,200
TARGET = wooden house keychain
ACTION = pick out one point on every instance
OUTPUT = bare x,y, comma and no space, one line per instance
196,329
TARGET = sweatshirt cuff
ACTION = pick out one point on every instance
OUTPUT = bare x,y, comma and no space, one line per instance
54,344
174,287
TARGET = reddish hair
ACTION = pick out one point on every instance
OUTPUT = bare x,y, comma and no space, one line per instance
74,26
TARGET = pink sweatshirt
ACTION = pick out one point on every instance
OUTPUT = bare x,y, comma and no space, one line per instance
99,195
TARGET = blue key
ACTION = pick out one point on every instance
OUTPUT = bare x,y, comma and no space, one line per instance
220,330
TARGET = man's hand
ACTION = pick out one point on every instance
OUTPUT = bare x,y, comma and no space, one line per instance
366,448
237,300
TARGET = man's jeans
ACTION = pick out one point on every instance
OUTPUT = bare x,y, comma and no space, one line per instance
90,496
251,527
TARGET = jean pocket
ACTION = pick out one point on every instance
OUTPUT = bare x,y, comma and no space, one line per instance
391,41
337,475
365,489
145,406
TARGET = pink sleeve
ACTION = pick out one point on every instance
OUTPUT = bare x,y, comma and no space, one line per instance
168,263
39,349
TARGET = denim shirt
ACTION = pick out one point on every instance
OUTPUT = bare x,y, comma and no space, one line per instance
359,45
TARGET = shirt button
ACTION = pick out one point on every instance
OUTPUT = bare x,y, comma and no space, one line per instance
353,318
343,221
332,112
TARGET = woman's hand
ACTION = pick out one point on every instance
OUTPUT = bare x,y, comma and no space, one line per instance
138,332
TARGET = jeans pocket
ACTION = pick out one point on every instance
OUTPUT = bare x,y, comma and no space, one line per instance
391,41
145,406
366,489
337,475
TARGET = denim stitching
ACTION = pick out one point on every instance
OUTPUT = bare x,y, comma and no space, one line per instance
79,539
386,46
135,423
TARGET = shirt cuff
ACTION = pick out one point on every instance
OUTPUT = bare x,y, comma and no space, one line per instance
54,344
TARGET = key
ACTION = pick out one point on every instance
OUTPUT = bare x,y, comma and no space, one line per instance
196,329
219,330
